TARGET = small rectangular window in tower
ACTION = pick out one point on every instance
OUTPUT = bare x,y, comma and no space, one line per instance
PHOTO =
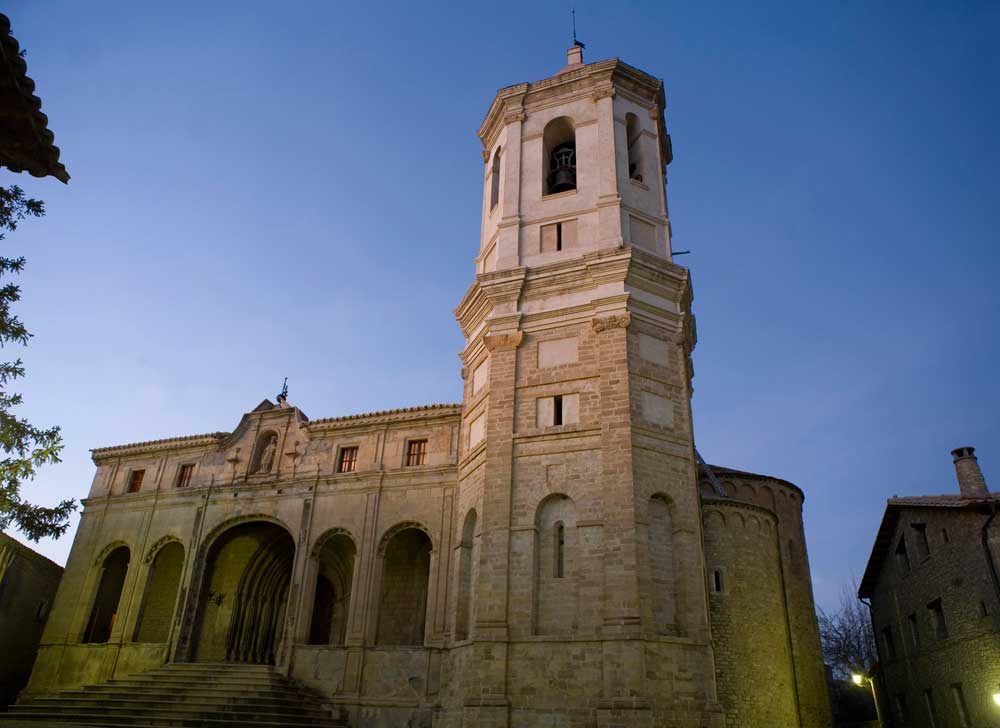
960,706
184,475
911,622
416,452
902,558
557,410
944,535
890,646
135,481
920,534
983,610
559,566
717,581
931,711
558,236
348,461
936,611
42,612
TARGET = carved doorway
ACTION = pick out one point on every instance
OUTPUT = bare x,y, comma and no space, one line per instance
244,595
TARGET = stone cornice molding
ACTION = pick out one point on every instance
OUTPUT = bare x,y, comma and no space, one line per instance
504,340
603,92
102,454
405,414
615,321
724,503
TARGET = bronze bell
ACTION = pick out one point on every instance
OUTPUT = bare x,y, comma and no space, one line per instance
562,176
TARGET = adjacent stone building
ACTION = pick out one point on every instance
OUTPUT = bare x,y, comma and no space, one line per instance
28,583
935,602
549,552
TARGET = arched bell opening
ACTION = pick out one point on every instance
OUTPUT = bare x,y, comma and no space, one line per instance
109,593
241,615
559,149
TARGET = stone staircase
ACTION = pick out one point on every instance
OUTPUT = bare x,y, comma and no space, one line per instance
201,694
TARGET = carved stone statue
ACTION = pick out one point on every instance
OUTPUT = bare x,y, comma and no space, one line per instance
266,461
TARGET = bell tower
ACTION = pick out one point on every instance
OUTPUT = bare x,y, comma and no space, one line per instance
582,545
584,173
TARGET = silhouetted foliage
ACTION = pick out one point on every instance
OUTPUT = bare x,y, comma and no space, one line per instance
25,448
847,637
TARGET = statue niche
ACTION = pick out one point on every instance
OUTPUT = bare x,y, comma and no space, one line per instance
263,453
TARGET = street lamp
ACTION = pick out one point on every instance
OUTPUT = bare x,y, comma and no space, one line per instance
859,679
996,698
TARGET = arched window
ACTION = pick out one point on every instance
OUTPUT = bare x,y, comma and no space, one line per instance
405,572
556,578
161,594
109,594
633,135
333,591
559,150
495,181
468,558
264,453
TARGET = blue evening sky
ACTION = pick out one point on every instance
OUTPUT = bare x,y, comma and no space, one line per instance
266,189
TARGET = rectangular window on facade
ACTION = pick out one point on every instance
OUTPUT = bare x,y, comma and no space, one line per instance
944,535
936,611
135,481
902,558
184,475
562,409
960,707
348,460
416,452
931,710
920,536
911,621
717,581
890,646
558,236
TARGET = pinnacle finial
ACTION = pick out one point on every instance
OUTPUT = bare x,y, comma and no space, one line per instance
283,394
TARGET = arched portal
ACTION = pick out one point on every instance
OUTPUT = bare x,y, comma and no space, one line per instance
109,594
405,572
161,594
333,591
241,615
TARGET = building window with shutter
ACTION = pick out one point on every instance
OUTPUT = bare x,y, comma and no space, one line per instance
348,461
558,236
416,452
184,475
135,481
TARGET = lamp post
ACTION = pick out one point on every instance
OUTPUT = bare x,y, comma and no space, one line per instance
859,679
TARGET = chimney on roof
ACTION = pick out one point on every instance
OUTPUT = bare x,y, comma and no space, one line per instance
971,482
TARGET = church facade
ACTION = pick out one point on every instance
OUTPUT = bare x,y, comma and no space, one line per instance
549,552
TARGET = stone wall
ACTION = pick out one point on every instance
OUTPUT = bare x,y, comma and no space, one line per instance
28,583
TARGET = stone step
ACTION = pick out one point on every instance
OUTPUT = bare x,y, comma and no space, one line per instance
206,697
202,695
144,721
182,704
230,713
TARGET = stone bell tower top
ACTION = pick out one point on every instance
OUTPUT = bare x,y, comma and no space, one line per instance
574,163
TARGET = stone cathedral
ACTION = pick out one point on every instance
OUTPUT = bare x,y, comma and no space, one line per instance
549,552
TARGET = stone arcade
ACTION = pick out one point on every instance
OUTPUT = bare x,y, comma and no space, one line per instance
547,553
